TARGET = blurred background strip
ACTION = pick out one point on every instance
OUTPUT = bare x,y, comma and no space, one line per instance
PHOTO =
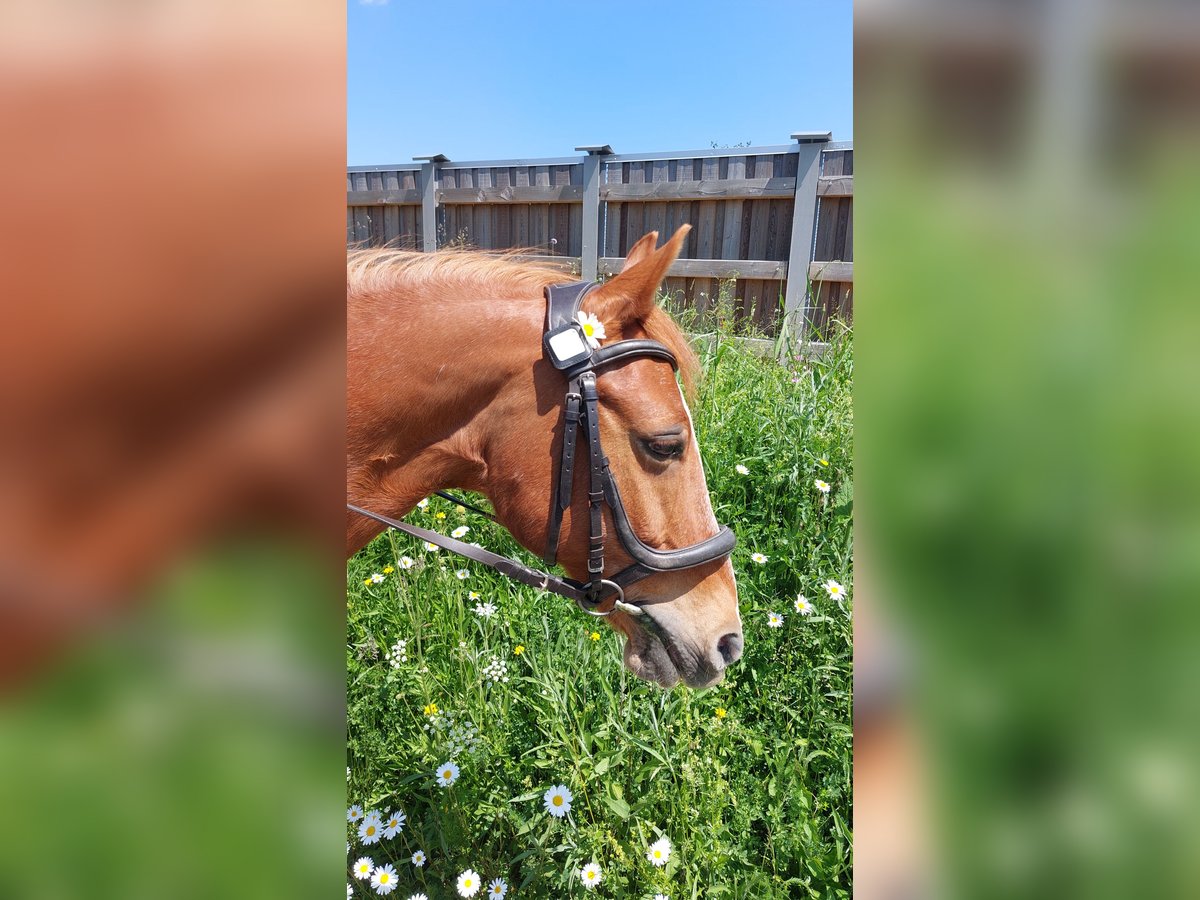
171,387
1028,428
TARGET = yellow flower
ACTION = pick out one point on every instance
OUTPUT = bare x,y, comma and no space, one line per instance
431,709
388,570
824,462
439,515
595,635
518,650
720,712
366,581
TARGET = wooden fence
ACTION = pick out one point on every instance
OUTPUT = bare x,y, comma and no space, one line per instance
774,218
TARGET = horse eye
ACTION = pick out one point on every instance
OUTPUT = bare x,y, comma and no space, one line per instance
665,449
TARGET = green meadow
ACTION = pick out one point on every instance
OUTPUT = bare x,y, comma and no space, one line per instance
748,782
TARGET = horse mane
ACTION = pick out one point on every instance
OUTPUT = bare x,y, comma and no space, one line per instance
379,269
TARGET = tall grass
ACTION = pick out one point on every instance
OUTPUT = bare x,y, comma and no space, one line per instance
750,780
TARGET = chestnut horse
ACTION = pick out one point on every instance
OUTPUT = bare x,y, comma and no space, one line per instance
447,387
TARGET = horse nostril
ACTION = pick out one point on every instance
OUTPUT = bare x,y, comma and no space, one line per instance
730,647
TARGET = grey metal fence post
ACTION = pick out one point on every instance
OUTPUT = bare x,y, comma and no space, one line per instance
797,302
429,183
589,264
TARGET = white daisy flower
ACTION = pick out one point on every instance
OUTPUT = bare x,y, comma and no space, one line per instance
363,866
383,879
369,831
472,595
759,558
485,610
593,328
741,470
418,858
347,848
375,816
836,591
354,813
468,883
558,801
460,531
447,774
376,578
822,486
775,620
462,574
659,852
421,504
394,824
349,891
406,562
590,875
419,897
432,548
497,889
803,606
661,897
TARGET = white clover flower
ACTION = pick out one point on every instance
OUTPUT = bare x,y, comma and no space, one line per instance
406,562
485,610
497,889
593,328
590,875
462,574
363,866
803,606
558,800
496,670
468,883
369,831
822,486
376,577
418,858
398,654
431,547
460,531
421,504
383,879
447,774
759,558
659,852
775,620
741,470
836,591
394,824
354,813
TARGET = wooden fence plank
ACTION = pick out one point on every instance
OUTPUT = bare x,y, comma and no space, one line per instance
819,270
710,268
385,197
562,193
707,189
835,186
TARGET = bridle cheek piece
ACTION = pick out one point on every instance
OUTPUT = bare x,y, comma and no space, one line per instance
567,349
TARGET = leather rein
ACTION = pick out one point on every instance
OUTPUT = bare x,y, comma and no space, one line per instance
567,349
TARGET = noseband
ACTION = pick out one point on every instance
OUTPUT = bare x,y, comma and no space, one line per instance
567,349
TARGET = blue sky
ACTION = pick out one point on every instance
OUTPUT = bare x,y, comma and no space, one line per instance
506,80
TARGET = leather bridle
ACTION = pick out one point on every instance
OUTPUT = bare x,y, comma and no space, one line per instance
581,410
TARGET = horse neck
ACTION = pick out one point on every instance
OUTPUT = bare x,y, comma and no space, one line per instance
426,364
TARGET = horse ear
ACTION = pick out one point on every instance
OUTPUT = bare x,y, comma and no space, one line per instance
629,297
639,251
